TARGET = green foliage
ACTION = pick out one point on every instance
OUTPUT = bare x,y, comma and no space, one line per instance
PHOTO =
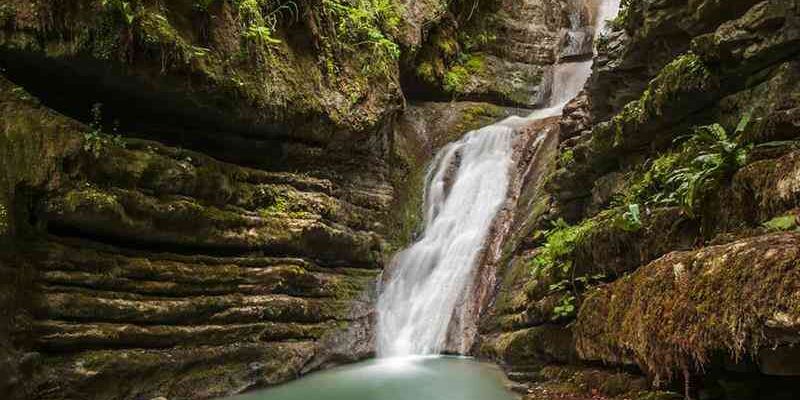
123,9
281,203
567,157
631,219
366,25
95,142
456,78
260,19
571,287
559,243
783,223
261,34
623,16
565,308
704,160
716,157
157,32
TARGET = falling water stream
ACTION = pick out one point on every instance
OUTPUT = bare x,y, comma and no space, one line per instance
467,184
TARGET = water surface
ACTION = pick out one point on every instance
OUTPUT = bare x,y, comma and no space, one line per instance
413,378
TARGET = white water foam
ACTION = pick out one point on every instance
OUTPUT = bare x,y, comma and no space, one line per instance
467,184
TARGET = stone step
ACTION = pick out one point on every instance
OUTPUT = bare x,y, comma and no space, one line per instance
73,304
63,336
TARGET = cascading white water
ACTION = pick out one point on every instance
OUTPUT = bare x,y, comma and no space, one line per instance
467,184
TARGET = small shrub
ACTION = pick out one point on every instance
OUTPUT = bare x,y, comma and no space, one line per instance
95,142
559,243
366,24
565,308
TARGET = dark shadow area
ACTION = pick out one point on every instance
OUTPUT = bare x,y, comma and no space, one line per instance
152,109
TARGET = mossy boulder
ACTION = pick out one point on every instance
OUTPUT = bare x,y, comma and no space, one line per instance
680,310
531,347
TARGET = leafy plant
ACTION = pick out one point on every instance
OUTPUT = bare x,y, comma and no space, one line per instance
567,157
559,243
123,9
261,34
565,308
705,159
366,24
95,141
572,287
717,156
261,18
631,219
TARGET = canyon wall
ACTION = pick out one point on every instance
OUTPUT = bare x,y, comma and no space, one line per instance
197,197
661,250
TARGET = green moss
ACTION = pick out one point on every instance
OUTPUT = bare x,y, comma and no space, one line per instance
566,157
681,87
448,46
685,72
477,116
4,223
426,72
158,33
456,79
783,223
679,311
92,198
33,143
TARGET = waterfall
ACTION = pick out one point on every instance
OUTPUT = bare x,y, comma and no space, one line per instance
466,186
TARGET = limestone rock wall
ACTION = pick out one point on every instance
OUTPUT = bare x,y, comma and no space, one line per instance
652,249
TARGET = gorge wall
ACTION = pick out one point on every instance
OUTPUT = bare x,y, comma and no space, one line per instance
198,196
660,250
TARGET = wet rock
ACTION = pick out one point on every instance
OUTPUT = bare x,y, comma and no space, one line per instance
532,346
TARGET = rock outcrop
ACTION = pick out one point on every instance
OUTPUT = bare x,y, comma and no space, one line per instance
664,239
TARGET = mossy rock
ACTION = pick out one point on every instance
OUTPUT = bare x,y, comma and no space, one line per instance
718,299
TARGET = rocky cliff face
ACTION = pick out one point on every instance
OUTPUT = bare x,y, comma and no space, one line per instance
663,241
